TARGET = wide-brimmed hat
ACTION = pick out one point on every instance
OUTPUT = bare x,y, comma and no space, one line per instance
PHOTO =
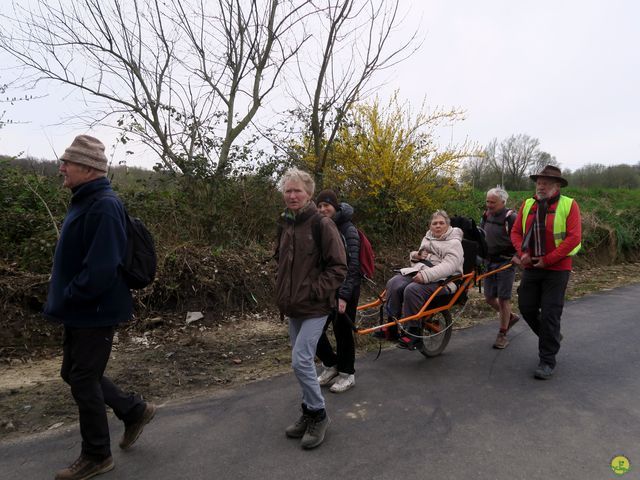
88,151
550,172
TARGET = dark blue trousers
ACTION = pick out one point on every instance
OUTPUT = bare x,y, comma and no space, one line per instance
86,352
541,300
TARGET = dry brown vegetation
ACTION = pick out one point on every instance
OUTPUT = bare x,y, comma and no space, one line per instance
239,339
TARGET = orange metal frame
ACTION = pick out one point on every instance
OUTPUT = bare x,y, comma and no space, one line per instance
468,280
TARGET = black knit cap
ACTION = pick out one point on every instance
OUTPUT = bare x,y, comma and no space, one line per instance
328,196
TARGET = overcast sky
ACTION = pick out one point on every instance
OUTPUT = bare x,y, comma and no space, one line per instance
566,72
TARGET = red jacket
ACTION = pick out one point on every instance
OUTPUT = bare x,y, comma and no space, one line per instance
556,258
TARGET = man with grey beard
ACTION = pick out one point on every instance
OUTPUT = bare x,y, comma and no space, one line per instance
546,234
497,222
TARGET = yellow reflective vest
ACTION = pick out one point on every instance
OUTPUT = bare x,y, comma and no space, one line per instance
559,222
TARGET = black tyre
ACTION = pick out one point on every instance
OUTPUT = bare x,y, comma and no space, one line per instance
434,343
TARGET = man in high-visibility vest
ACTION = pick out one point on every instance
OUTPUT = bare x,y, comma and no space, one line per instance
546,234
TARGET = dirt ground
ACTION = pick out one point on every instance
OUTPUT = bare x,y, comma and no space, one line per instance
164,357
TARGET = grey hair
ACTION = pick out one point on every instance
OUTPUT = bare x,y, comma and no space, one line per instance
301,176
443,214
499,192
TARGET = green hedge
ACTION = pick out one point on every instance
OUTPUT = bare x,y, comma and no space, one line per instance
242,211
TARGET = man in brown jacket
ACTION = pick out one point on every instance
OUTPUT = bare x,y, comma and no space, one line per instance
311,266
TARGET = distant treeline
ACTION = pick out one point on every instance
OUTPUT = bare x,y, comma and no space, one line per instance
602,176
589,176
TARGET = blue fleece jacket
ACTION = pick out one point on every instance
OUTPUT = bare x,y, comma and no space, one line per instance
87,288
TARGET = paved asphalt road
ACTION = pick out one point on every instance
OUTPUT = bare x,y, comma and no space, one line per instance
472,413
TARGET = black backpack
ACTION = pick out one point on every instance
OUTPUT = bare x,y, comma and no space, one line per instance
141,262
472,233
504,223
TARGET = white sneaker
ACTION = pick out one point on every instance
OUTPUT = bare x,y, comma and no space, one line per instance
344,382
328,374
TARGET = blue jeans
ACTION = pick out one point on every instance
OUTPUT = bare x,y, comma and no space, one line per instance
304,336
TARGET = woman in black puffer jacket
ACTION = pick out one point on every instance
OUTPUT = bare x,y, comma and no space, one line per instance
340,363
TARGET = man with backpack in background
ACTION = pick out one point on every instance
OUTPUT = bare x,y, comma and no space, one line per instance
89,295
547,233
497,223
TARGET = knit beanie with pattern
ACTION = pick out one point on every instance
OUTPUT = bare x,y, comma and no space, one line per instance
88,151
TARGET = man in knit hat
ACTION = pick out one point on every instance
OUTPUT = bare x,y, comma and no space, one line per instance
89,297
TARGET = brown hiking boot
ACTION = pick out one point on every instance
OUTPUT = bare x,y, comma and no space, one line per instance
513,319
501,341
133,431
84,468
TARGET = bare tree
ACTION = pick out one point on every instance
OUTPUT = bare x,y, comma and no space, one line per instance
11,100
542,159
474,170
356,38
240,55
176,74
517,155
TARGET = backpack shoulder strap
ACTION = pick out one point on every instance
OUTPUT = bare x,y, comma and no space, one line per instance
507,225
279,230
316,231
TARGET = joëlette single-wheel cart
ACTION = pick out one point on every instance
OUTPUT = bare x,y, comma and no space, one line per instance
435,314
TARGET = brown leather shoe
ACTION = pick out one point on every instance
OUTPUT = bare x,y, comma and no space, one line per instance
84,468
133,431
501,341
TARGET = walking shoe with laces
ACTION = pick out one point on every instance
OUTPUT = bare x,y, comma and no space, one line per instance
133,431
344,382
297,429
544,371
513,319
84,468
328,374
501,341
316,430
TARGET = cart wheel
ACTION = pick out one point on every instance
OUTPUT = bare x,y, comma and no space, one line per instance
434,343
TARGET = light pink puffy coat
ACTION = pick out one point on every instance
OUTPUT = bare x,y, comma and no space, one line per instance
445,253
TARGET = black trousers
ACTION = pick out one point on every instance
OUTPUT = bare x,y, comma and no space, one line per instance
541,300
344,356
86,352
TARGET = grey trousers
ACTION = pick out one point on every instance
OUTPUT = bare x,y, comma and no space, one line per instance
405,297
304,336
